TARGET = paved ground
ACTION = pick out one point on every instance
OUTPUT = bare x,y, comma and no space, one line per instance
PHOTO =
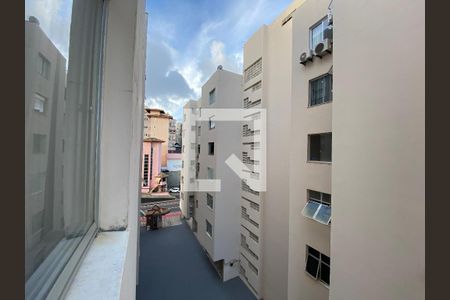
173,266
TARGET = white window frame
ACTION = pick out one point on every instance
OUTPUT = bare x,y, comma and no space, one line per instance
210,197
321,204
212,96
206,229
322,24
212,123
42,100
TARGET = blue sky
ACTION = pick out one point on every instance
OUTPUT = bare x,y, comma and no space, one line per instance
187,39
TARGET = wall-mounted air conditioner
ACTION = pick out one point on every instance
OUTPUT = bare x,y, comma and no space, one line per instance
323,48
306,57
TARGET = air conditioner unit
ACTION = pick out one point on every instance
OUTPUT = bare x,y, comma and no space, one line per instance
306,56
323,48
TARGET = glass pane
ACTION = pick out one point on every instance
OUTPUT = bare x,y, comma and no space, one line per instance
323,214
326,198
324,275
314,195
312,266
310,209
314,147
61,113
325,147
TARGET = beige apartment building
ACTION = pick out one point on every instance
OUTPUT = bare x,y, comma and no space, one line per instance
265,214
342,216
156,125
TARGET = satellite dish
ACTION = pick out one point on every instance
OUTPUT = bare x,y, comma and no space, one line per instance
219,67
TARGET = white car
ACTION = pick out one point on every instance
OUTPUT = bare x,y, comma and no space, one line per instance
174,190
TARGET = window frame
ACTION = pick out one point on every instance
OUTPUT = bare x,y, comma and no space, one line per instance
320,204
309,160
320,262
63,271
211,146
212,96
211,123
210,197
42,99
311,28
206,229
310,90
44,66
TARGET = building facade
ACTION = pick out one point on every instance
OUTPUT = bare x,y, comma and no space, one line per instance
157,125
151,163
265,214
216,218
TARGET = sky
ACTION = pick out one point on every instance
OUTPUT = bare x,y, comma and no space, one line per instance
186,41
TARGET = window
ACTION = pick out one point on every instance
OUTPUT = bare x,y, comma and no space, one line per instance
145,183
321,90
212,96
196,203
209,201
61,183
320,147
39,103
317,265
39,141
151,163
318,207
316,33
209,229
212,124
43,66
254,70
199,130
211,148
198,148
210,173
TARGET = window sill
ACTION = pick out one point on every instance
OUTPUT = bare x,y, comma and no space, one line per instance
321,104
319,162
101,272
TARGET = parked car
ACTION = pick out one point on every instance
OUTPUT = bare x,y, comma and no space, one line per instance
174,190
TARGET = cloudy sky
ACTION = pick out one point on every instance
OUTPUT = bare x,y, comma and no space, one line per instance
186,41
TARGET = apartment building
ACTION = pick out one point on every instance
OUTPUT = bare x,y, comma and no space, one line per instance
350,116
215,218
311,197
157,125
265,214
190,152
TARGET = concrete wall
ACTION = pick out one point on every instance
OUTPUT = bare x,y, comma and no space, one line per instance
122,128
304,174
378,230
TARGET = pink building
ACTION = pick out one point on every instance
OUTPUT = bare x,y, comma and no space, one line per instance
151,163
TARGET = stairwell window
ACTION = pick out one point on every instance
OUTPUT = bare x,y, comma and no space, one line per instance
211,148
317,265
212,123
209,229
319,147
318,207
212,96
210,201
321,90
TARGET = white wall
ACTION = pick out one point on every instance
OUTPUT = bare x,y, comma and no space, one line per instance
378,230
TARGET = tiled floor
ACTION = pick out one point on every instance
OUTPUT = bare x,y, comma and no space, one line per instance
173,266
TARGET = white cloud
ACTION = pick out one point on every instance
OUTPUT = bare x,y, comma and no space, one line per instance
217,55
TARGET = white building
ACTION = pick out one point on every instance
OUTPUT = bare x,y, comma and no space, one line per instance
215,216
